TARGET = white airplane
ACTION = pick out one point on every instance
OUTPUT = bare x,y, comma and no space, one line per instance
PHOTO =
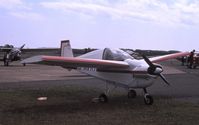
113,66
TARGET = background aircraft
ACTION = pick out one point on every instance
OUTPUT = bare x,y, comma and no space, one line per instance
11,54
113,66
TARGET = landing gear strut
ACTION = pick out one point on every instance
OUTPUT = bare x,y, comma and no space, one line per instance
148,99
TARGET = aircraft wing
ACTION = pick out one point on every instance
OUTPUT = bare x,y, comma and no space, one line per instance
6,49
167,57
75,62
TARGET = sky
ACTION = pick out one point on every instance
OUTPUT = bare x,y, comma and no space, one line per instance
135,24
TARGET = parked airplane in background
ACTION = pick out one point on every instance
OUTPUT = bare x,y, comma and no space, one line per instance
11,54
113,66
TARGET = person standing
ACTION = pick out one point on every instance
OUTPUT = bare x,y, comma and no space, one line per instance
183,60
191,59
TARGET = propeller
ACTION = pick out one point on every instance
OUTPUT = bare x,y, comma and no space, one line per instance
21,47
164,79
155,69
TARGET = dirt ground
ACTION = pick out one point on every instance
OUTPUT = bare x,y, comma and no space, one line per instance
69,96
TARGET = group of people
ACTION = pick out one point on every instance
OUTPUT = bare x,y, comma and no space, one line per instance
189,60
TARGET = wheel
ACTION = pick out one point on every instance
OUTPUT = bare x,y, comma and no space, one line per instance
132,94
103,98
148,99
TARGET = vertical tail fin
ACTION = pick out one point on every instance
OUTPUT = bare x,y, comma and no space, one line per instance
66,50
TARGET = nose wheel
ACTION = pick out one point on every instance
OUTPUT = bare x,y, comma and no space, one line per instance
148,99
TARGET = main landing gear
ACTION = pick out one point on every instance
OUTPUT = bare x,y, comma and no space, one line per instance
103,98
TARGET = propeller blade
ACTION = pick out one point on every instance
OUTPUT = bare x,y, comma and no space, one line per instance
152,67
164,79
148,61
21,47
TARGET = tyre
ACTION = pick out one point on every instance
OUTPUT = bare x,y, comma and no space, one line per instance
148,100
103,98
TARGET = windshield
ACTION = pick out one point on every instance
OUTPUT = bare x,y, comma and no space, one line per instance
115,54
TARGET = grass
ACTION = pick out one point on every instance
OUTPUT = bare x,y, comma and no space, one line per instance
71,105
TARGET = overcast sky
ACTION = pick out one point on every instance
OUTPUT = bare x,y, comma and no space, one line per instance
136,24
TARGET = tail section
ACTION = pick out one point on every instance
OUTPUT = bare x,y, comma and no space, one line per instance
66,50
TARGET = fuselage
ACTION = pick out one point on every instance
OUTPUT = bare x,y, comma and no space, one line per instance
135,76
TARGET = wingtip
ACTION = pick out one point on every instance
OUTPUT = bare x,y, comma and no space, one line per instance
33,59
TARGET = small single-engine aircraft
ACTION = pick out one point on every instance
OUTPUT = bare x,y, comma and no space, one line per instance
113,66
11,54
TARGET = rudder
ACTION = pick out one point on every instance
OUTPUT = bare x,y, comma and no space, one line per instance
66,50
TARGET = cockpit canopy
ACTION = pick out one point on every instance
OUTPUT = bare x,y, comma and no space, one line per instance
115,54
